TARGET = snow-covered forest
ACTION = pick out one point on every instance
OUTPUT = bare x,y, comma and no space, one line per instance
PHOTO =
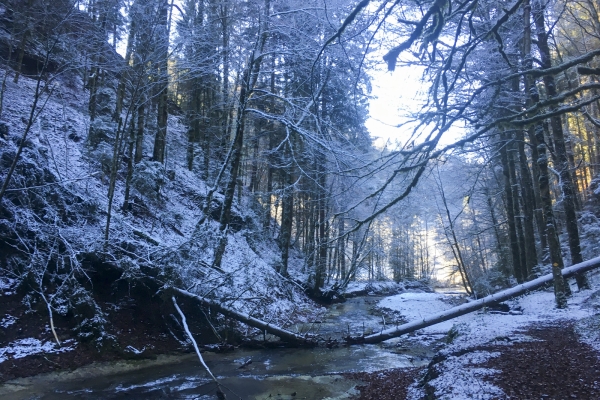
173,169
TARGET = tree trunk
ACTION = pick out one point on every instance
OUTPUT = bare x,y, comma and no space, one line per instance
553,242
130,148
528,84
342,247
125,72
562,161
113,179
21,55
247,85
139,137
531,259
510,211
246,319
163,84
287,210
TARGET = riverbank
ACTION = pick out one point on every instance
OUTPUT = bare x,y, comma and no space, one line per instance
528,349
554,364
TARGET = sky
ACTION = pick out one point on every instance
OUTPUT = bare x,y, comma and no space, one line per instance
394,94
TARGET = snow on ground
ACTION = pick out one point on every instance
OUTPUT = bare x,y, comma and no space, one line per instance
29,346
460,376
373,286
6,285
385,287
483,326
7,321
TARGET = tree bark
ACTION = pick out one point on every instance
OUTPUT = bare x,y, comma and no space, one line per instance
287,211
160,140
125,71
130,149
528,207
510,211
528,84
246,319
560,288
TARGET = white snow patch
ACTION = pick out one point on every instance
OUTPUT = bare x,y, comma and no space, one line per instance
6,285
415,306
29,346
460,378
374,286
133,350
7,321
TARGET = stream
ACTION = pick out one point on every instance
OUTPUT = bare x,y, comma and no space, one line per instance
284,373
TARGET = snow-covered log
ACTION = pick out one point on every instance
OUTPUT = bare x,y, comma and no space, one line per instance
284,334
475,305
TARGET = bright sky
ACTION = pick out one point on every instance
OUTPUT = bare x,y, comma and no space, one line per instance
395,94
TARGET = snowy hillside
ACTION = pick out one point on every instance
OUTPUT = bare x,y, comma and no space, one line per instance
58,202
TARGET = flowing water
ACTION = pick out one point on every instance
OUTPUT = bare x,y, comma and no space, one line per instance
284,373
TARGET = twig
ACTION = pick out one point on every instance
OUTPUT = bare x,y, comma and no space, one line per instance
220,393
53,183
51,319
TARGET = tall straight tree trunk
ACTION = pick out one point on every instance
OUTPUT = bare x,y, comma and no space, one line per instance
269,193
528,207
271,133
512,160
568,189
163,83
342,247
254,162
24,23
130,149
287,215
21,55
93,88
321,251
538,210
194,115
139,137
510,211
543,182
125,72
528,85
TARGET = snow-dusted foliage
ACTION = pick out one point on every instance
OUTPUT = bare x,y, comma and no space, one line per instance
148,177
101,130
590,235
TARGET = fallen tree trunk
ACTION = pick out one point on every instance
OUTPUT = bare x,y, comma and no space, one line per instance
475,305
283,334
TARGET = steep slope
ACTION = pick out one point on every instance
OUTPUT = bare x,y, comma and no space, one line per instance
54,258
